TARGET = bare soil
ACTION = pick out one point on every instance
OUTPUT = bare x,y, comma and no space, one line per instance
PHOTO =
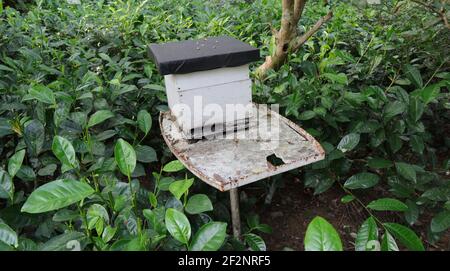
294,206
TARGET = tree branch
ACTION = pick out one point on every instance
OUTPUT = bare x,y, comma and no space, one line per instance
301,40
441,13
299,5
425,5
286,39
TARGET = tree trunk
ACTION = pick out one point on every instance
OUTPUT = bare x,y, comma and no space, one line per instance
287,39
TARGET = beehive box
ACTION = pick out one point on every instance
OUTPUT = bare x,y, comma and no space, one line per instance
207,83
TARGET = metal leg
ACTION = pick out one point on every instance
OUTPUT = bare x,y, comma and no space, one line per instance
235,217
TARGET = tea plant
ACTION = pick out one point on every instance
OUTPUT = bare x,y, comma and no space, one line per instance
371,111
77,106
83,166
103,212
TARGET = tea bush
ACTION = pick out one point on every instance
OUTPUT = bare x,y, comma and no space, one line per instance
82,159
78,145
374,90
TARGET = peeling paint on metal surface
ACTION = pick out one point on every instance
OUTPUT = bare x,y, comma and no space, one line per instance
226,164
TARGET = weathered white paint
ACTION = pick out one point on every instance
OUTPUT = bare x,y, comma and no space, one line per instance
198,90
226,163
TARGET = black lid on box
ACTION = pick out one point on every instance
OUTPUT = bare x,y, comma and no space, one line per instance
203,54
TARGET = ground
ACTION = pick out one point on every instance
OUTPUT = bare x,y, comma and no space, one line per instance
294,206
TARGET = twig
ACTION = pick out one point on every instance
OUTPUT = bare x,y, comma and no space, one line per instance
362,204
432,76
441,13
397,74
301,40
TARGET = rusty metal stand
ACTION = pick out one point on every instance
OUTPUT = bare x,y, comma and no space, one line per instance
235,216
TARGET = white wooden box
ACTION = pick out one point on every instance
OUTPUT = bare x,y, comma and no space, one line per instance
211,101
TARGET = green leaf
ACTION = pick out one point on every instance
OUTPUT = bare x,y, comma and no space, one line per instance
209,237
355,98
437,194
64,151
321,236
145,154
48,170
155,218
165,183
367,127
339,78
405,235
148,70
395,142
6,185
95,214
255,242
378,163
307,115
254,224
15,162
348,142
416,108
5,128
405,170
318,181
362,180
173,166
429,93
447,205
387,204
137,243
326,102
108,233
34,135
441,221
56,195
347,198
393,109
65,215
154,87
105,57
107,134
125,157
178,188
3,67
412,214
375,62
5,247
309,68
367,232
64,242
388,243
413,74
178,225
153,199
198,203
320,111
416,143
26,244
377,138
42,94
26,173
8,235
99,117
144,120
263,228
